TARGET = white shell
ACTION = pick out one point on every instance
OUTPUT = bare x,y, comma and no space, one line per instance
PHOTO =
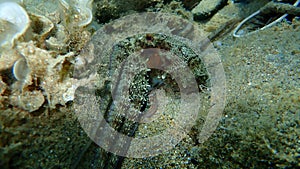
20,69
83,10
16,20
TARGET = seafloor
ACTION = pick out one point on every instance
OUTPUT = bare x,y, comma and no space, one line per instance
260,127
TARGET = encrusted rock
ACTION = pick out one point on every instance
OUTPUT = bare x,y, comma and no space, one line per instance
39,68
49,9
8,58
47,72
42,26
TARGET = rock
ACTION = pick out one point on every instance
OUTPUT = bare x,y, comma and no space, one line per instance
190,4
207,8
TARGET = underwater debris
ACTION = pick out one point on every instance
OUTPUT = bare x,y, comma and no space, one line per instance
20,69
8,58
190,4
38,76
46,72
256,21
106,11
41,27
14,21
28,100
58,42
81,11
281,8
207,8
39,67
